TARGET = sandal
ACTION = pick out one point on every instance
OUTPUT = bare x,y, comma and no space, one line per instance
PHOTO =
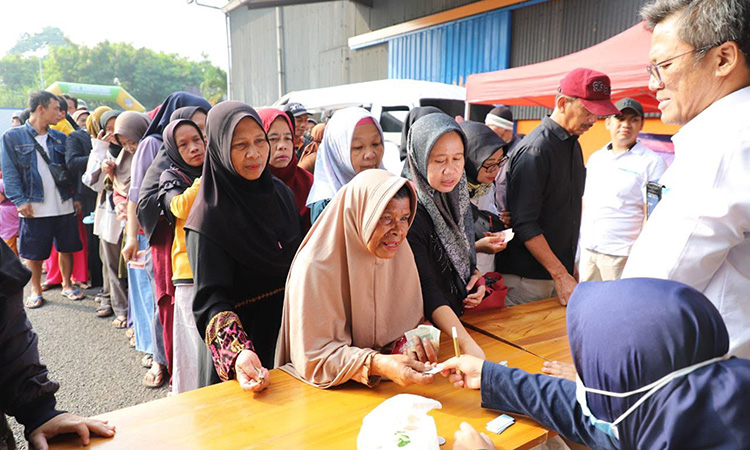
104,311
147,361
34,302
47,287
153,380
120,323
131,343
83,285
129,333
73,294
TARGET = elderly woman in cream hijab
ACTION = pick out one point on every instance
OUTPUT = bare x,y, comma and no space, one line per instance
353,290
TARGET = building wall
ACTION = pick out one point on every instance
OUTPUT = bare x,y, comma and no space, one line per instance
559,27
316,37
316,44
449,52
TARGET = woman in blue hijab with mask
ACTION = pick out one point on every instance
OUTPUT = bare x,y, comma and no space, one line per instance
654,373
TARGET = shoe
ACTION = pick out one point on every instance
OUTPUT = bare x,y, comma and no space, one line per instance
34,302
120,323
104,311
147,361
73,294
47,287
154,379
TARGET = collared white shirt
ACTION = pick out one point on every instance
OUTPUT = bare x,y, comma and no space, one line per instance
699,233
614,197
53,204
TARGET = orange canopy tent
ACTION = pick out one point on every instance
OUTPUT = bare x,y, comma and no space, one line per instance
623,57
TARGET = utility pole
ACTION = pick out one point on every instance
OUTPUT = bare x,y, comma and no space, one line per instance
229,44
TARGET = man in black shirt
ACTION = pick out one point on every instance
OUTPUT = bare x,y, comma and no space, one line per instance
545,182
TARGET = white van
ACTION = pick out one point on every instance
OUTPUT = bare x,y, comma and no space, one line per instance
388,100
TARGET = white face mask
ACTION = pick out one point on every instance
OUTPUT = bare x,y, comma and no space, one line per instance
611,427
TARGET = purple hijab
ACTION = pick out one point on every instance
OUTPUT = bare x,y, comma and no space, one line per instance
629,333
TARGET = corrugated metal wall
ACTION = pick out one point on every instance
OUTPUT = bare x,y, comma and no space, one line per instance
316,44
448,53
317,53
253,35
560,27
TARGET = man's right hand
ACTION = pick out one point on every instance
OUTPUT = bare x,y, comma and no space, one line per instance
564,285
26,210
130,249
464,371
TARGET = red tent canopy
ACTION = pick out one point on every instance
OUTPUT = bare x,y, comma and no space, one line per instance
623,57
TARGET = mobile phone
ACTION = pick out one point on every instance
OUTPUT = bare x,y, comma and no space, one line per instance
654,192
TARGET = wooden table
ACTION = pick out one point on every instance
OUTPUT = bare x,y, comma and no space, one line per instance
538,327
293,415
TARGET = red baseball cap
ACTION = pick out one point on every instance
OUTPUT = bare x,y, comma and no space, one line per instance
592,88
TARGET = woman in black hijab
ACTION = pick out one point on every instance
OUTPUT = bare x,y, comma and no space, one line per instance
413,115
242,234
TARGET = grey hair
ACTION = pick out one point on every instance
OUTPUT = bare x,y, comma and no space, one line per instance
705,22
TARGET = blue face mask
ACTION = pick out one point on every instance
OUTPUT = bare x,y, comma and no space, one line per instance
611,427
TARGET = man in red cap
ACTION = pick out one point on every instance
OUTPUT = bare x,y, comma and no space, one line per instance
545,182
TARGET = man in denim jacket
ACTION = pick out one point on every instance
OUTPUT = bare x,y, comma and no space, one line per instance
47,212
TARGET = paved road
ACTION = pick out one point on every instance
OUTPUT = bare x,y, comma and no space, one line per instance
96,369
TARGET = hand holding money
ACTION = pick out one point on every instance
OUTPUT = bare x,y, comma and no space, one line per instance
251,374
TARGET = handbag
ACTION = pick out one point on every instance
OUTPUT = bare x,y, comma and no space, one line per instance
494,293
485,222
60,173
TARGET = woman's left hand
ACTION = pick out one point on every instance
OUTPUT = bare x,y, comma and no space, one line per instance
473,300
421,350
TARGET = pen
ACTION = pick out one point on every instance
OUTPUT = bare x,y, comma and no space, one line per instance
455,342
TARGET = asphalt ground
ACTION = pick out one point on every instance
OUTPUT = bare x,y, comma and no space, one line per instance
97,370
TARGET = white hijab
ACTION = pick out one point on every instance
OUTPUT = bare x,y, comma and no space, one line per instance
333,167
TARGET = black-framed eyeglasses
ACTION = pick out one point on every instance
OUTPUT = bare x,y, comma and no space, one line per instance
497,165
653,69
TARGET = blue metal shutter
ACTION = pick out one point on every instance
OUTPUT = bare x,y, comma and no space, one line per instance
449,52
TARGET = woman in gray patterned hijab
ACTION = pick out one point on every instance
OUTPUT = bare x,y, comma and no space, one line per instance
450,211
442,235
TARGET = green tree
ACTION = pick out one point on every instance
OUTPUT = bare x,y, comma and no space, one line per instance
18,76
149,76
30,42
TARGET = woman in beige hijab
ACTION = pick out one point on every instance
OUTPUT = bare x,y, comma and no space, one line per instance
353,290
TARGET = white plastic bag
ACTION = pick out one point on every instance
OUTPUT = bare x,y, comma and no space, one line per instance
400,423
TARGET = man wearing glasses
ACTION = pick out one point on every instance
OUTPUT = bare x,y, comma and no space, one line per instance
545,180
699,233
614,198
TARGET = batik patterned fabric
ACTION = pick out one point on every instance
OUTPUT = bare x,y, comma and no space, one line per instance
226,339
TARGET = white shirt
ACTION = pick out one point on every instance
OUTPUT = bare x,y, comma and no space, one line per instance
614,197
486,262
106,225
699,233
52,205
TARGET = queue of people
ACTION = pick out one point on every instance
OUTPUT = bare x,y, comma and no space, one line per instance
224,257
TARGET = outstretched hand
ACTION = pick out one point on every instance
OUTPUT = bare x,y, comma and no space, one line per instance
468,438
69,423
464,371
251,374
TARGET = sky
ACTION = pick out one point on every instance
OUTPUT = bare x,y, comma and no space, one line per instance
171,26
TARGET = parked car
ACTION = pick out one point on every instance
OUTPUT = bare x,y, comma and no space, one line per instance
388,100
